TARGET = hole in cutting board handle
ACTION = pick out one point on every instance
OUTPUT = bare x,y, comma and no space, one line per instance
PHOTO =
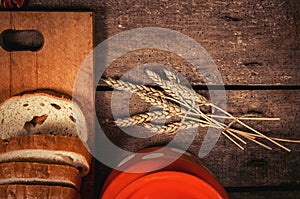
21,40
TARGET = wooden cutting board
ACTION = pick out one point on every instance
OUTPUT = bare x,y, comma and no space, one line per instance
68,39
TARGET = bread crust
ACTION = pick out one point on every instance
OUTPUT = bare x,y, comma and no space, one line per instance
39,173
47,143
47,92
37,192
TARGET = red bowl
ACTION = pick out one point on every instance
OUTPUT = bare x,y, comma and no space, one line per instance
131,169
119,180
169,184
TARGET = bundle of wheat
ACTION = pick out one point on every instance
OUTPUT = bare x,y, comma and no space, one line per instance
177,100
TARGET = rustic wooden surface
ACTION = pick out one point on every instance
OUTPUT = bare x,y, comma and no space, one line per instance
265,194
255,46
253,43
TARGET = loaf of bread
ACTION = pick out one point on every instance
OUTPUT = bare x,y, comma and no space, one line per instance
43,147
15,191
46,149
41,113
32,173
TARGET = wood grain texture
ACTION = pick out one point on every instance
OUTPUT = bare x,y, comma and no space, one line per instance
5,63
252,43
68,40
259,48
23,63
265,194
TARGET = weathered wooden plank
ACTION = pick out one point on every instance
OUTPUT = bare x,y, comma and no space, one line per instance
265,194
252,43
255,166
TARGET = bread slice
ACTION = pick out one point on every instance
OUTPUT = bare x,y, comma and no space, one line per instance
39,173
41,113
46,149
37,192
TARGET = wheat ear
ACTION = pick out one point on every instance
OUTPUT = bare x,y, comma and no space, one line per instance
148,94
177,91
181,94
171,128
142,118
172,77
121,85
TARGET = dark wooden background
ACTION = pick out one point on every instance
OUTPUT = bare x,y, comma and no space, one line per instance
255,45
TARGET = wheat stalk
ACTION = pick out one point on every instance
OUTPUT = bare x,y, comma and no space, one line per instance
172,128
246,117
253,130
142,118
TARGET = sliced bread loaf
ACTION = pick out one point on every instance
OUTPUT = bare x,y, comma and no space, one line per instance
37,192
46,149
39,174
41,113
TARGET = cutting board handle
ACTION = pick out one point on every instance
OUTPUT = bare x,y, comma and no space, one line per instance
21,40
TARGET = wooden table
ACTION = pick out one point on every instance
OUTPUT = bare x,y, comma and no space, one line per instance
255,46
